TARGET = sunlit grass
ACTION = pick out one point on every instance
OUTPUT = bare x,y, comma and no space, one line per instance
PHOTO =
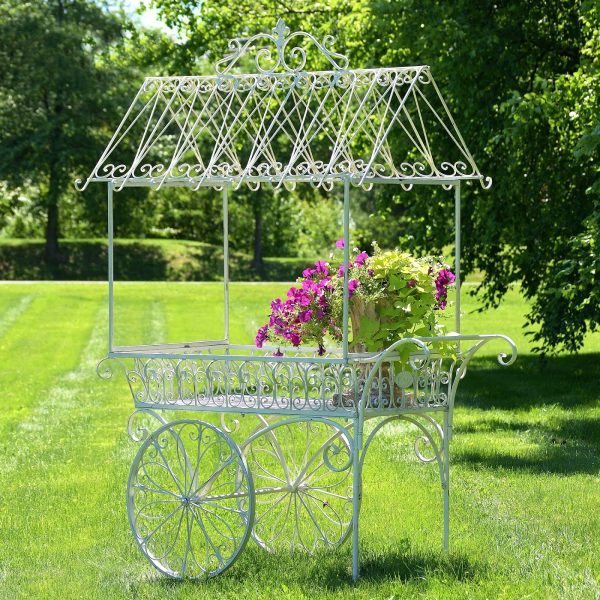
525,465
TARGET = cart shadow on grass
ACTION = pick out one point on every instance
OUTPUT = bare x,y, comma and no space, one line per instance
566,443
328,571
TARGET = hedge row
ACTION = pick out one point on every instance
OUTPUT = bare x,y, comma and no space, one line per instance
139,260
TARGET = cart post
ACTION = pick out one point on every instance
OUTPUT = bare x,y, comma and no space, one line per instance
457,253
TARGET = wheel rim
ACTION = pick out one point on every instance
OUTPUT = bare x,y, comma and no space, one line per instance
302,476
190,499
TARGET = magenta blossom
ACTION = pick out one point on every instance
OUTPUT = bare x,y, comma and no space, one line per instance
305,316
339,243
411,283
322,267
352,286
444,279
261,336
360,259
278,352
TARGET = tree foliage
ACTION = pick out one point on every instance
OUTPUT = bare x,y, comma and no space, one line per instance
62,85
521,78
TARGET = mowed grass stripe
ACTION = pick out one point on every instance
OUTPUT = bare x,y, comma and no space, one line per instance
47,343
67,396
72,447
11,313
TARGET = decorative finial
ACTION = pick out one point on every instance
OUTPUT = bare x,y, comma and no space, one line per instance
281,30
285,56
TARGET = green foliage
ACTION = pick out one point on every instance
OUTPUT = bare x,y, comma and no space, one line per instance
68,69
522,80
396,298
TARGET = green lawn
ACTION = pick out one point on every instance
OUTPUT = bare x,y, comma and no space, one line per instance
525,469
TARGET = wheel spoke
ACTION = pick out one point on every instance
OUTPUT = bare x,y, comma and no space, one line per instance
146,489
296,516
161,524
200,523
169,470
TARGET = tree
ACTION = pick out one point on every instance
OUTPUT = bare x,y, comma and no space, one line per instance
521,78
59,90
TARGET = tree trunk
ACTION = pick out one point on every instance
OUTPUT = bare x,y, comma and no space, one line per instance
52,223
53,254
257,260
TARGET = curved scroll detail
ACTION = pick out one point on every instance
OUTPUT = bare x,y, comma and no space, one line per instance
104,369
269,60
234,425
140,423
430,439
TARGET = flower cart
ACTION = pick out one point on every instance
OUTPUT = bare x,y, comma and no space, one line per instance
196,491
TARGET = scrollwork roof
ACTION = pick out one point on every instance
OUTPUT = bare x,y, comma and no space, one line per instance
284,124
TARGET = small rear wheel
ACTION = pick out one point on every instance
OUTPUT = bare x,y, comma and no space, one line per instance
190,500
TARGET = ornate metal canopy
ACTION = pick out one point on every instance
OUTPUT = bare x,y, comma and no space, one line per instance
282,124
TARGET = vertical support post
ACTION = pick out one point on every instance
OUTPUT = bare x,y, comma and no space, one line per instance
226,263
110,268
356,491
346,266
446,479
457,253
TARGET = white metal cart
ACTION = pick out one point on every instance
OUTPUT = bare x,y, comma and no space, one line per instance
195,495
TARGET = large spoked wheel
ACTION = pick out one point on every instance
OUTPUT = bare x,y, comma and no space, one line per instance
302,475
190,499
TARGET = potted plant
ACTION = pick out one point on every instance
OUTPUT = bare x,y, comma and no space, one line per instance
392,295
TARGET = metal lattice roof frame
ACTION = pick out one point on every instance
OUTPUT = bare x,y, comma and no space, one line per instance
283,124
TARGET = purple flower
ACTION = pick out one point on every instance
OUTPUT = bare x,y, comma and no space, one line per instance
411,283
297,296
323,283
305,316
339,243
308,285
322,267
370,272
276,305
308,272
321,350
261,336
342,269
360,259
295,338
443,280
445,277
352,285
278,352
